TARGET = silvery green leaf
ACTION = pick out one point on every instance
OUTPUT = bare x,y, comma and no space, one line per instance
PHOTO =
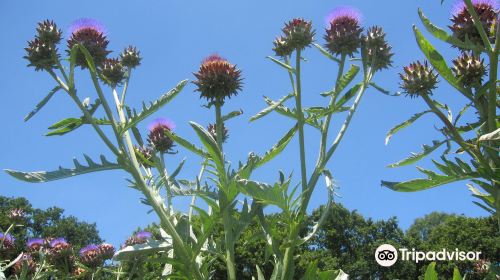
403,125
271,108
492,136
42,103
61,173
282,64
148,110
426,150
231,115
146,249
326,53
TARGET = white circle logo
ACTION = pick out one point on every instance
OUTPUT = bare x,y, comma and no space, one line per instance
386,255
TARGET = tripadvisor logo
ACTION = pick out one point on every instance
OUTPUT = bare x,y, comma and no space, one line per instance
386,255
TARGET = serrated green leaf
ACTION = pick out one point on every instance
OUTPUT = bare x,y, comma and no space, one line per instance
213,149
326,53
70,124
442,34
433,180
278,147
260,275
436,60
265,193
282,64
426,150
90,60
271,108
287,112
186,144
153,106
61,173
42,103
231,115
404,124
384,91
347,78
347,96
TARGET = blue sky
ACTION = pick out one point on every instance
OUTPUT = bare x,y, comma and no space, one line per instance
173,37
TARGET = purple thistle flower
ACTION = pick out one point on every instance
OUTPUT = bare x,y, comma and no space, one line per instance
88,248
161,122
87,23
460,6
58,242
7,237
343,12
144,235
35,244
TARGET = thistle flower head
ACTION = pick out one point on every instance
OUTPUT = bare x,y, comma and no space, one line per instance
90,256
35,244
106,251
26,261
112,72
298,33
60,253
469,69
90,34
48,32
217,79
139,238
378,51
157,137
41,55
463,25
418,79
213,132
343,33
130,57
8,241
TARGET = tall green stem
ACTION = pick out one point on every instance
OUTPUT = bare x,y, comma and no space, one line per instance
224,201
300,118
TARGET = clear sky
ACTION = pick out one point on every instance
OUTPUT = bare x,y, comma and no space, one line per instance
173,37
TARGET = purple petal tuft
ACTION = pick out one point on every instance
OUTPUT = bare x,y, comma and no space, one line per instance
84,23
343,11
161,122
459,5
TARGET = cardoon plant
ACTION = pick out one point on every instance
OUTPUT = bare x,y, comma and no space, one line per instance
344,38
472,140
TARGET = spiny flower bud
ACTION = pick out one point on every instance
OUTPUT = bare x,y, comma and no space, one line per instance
282,47
212,129
25,261
469,69
107,251
418,79
90,256
48,32
343,34
130,57
90,34
41,55
217,79
35,244
139,238
157,137
112,72
378,51
298,33
463,25
145,155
